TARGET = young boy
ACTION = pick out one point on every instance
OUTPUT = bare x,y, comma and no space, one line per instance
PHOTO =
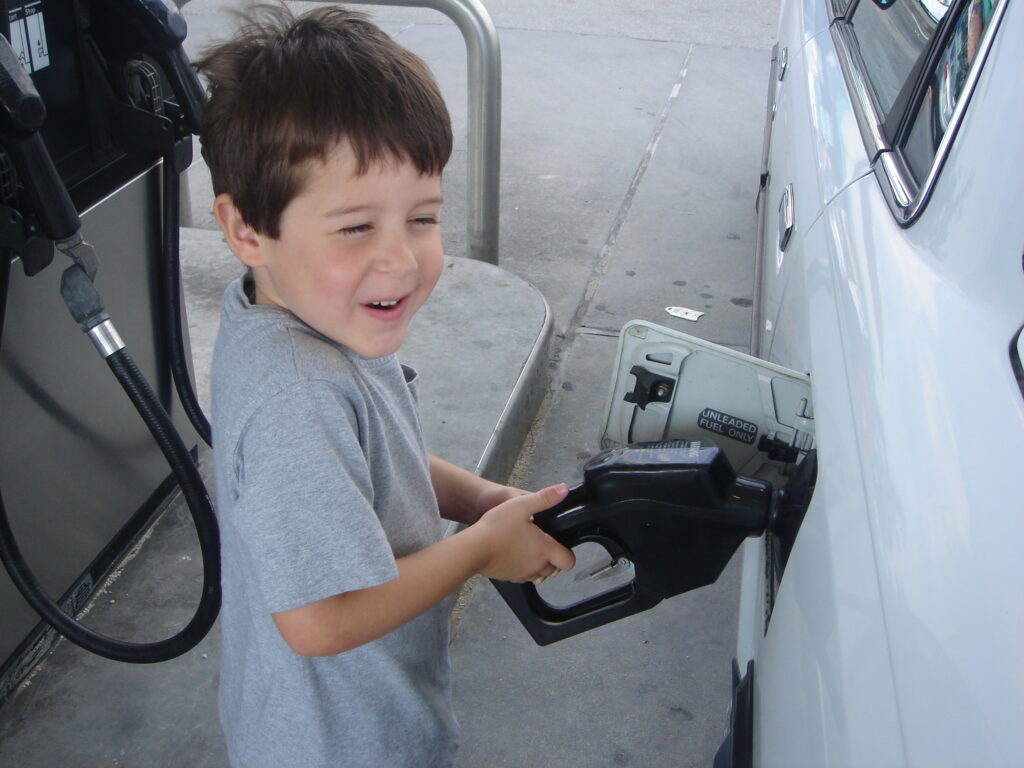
326,141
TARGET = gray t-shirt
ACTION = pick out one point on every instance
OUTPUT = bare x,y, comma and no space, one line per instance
322,482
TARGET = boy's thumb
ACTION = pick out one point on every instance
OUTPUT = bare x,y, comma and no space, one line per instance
546,498
555,493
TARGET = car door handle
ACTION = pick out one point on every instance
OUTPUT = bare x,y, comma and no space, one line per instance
786,217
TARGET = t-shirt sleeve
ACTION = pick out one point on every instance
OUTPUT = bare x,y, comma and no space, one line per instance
305,511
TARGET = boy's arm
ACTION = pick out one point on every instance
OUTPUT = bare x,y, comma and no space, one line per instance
462,496
504,544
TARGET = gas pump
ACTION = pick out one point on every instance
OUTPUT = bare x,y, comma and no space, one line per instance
123,51
672,512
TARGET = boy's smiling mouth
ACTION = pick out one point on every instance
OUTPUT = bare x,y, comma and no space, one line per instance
386,309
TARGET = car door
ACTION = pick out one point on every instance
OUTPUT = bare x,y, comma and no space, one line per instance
812,151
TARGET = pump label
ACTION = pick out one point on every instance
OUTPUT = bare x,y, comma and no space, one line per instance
729,426
28,36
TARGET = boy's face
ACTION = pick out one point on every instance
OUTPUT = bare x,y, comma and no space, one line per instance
357,255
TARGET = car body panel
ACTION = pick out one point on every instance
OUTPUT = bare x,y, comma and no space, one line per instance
804,19
897,627
824,692
928,316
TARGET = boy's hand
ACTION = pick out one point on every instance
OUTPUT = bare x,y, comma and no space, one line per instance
463,496
516,549
494,494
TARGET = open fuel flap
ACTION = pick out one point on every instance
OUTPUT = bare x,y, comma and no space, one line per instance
663,505
667,384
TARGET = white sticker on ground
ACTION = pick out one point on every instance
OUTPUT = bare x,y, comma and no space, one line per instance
687,314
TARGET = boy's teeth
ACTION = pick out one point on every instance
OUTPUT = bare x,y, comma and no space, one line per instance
383,304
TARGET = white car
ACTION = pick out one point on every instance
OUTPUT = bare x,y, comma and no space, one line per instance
882,613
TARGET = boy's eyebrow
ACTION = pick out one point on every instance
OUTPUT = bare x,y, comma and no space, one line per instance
343,210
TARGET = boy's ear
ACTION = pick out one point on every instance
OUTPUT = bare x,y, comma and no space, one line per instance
242,239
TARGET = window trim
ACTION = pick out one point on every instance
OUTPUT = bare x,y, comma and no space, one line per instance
865,107
839,8
906,199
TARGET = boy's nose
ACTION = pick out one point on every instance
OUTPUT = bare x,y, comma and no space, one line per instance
396,256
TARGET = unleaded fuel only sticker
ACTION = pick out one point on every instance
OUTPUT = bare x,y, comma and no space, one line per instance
730,426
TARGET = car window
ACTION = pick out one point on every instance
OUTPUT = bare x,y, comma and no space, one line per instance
890,36
946,86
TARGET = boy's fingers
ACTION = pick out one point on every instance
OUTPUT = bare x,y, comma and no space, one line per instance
562,558
546,574
548,571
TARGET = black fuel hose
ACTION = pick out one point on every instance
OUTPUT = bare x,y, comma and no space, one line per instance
171,290
86,307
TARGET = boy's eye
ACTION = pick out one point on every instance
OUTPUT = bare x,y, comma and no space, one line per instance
358,229
426,220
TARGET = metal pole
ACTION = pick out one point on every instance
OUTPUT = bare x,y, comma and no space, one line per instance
484,141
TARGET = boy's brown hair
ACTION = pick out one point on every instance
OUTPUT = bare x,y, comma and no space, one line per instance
286,89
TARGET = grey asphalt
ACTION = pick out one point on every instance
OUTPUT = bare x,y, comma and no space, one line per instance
631,139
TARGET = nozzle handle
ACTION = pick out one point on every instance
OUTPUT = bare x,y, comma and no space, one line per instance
22,114
674,509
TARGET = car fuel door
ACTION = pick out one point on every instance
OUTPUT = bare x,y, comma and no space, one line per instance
669,385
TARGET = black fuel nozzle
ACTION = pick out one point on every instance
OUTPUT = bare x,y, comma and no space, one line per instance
22,114
675,510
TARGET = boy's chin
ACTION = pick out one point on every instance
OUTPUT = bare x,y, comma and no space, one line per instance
369,340
374,348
